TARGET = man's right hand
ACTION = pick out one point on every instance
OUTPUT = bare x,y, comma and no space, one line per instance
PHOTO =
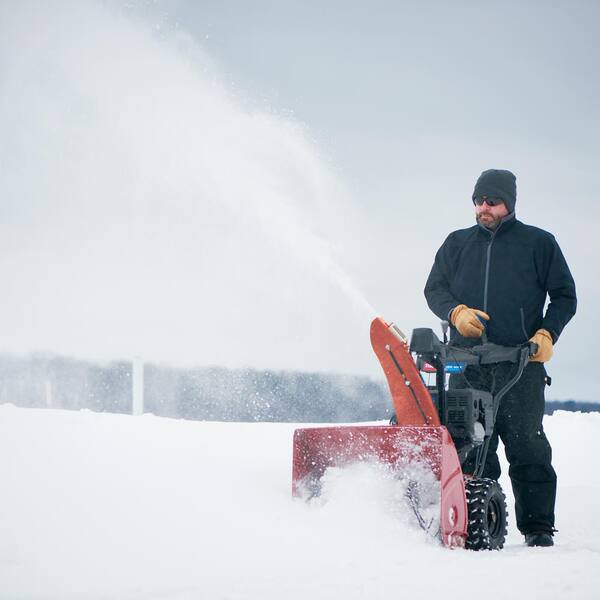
466,320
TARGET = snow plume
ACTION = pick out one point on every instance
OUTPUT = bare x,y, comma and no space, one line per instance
375,495
146,210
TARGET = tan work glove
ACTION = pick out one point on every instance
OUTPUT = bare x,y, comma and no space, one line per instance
466,321
543,339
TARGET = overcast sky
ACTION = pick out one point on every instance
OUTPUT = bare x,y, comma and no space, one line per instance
235,182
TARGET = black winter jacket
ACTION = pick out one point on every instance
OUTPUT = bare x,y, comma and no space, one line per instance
506,273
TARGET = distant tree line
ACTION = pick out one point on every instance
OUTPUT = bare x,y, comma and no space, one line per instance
207,393
572,406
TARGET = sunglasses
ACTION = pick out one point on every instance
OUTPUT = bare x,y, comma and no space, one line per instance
479,200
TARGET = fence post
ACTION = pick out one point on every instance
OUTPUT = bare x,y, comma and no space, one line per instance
48,390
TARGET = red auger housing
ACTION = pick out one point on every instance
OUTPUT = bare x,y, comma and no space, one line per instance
447,433
418,436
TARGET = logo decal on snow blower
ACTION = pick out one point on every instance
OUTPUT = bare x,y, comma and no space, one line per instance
455,367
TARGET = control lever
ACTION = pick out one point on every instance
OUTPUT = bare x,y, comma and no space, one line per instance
484,334
533,348
445,326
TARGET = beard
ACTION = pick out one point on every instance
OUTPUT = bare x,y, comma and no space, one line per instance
489,222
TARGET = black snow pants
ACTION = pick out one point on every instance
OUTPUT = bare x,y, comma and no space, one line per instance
519,426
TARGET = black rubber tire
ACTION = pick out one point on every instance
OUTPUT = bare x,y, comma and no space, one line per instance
487,515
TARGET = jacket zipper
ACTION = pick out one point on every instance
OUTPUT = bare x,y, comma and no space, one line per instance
523,323
487,272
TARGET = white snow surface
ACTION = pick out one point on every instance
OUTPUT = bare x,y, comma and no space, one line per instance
113,506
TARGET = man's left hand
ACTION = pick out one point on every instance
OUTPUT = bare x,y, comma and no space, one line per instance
543,339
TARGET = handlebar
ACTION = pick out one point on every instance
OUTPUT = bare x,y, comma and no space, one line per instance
428,347
487,353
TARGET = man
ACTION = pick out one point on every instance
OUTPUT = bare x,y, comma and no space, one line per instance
494,278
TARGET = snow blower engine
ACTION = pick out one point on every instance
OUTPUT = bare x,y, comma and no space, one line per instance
433,427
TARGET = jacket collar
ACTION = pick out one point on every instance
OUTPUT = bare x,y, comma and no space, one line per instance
505,224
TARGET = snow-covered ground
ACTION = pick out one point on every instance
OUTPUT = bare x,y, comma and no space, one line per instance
112,506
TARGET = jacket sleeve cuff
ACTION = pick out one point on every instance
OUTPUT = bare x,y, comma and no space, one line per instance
450,313
551,332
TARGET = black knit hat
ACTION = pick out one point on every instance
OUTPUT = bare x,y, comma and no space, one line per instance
498,183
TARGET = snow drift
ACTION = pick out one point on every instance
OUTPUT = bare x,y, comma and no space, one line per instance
105,506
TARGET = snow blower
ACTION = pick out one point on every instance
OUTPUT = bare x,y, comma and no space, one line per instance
435,427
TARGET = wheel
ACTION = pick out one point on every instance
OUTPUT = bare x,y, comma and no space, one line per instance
486,510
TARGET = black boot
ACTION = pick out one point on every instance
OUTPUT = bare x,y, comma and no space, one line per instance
539,538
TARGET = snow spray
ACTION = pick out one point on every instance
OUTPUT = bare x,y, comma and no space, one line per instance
160,209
